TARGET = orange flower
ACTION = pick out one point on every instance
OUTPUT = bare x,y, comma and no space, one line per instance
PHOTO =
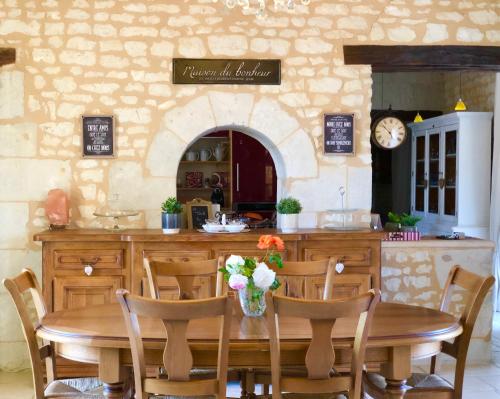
265,242
280,245
268,241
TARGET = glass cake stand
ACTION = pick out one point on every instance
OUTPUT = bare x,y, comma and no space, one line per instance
116,215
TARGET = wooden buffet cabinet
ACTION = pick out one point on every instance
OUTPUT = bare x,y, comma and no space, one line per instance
85,267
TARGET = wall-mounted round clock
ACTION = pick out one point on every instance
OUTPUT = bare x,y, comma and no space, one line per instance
389,132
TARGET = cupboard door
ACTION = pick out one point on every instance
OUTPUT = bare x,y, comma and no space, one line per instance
77,292
349,285
253,170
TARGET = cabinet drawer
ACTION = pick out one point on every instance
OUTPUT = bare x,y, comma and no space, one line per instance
176,256
360,256
71,259
77,292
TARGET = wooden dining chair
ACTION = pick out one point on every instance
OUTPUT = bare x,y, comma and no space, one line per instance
319,377
432,386
185,274
298,280
17,288
177,357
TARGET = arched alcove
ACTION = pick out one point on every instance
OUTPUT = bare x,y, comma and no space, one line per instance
255,180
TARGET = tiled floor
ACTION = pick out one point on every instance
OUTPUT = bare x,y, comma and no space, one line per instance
481,382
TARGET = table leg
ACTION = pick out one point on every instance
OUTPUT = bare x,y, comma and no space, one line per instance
111,373
396,371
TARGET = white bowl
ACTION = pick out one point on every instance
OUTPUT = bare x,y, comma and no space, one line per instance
213,228
235,228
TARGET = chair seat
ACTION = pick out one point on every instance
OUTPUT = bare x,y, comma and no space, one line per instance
418,382
77,388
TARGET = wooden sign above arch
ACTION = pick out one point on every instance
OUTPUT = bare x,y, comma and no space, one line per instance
421,58
7,56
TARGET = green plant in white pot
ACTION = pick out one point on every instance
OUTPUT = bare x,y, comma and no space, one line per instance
171,211
289,209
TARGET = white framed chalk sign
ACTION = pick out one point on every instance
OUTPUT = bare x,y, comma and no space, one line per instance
98,136
339,134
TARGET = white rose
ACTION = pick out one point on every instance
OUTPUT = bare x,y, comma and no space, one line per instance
263,277
233,264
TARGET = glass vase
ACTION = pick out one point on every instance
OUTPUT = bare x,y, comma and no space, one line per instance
252,306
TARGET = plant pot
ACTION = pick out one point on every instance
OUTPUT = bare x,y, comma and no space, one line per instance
410,229
289,222
170,223
252,306
391,226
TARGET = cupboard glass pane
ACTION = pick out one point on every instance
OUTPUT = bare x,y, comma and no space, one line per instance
450,173
421,148
419,199
433,200
420,183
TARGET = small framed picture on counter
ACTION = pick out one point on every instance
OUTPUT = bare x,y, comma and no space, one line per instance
98,139
338,133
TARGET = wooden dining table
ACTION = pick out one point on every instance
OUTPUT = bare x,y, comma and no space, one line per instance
398,334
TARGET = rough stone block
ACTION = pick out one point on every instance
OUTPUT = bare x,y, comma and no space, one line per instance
11,94
127,180
18,140
14,217
231,108
230,45
31,179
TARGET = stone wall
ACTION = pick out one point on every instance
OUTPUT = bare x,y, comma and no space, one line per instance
478,90
415,273
114,57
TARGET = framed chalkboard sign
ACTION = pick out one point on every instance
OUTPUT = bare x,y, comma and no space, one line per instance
98,136
198,211
339,134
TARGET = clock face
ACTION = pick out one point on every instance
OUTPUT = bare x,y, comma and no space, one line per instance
389,132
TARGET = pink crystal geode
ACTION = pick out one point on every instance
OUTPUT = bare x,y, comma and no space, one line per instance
57,208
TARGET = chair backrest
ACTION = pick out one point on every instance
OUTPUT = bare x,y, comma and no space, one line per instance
177,357
185,274
320,356
477,288
296,287
17,287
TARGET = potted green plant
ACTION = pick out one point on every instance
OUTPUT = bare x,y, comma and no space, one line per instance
289,209
171,211
409,222
394,223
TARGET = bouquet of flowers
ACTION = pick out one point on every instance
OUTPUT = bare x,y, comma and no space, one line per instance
252,277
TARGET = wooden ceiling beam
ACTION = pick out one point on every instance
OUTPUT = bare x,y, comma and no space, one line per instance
424,58
7,56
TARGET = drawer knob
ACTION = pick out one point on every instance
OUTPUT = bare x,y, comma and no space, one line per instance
339,267
88,269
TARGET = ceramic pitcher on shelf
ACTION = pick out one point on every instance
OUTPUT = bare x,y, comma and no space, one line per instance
192,155
220,152
205,154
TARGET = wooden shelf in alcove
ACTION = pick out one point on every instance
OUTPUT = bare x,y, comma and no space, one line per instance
199,189
204,162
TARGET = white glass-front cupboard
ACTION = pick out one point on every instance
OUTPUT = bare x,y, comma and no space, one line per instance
451,173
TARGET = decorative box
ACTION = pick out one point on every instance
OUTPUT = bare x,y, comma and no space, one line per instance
402,236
